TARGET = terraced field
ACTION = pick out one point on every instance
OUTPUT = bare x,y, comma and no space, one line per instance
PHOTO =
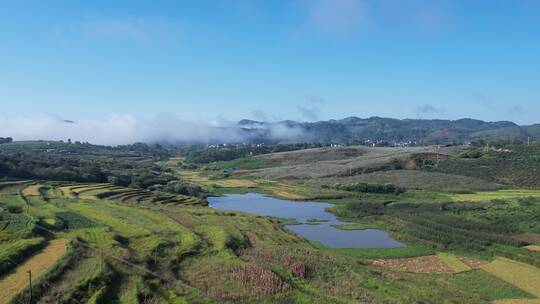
38,264
138,246
110,192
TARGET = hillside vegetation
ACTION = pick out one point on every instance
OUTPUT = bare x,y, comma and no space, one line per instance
157,241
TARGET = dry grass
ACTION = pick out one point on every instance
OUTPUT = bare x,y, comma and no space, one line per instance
262,281
530,238
500,194
517,301
232,183
238,183
326,162
422,264
532,247
472,263
16,282
523,276
453,262
412,179
288,195
32,190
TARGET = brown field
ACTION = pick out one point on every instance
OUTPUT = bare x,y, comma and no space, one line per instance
32,190
234,183
530,237
532,247
473,263
517,301
326,162
16,282
521,275
288,195
422,264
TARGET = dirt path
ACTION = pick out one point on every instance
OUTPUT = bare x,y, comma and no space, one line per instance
16,282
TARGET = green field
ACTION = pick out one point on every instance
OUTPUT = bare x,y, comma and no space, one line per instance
154,241
497,195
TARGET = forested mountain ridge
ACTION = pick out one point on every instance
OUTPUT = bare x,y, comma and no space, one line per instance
354,129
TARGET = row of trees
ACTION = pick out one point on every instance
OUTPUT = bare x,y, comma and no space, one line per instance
370,188
226,153
128,166
6,140
443,224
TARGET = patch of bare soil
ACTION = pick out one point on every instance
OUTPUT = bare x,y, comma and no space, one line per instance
473,263
261,280
533,247
423,264
530,237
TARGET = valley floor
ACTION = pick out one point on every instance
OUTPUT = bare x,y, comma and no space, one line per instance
100,243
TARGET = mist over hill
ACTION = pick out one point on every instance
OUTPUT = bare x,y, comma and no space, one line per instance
374,129
168,129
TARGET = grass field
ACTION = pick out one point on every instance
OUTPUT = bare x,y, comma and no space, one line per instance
487,286
383,253
247,163
517,301
500,194
222,256
453,262
522,275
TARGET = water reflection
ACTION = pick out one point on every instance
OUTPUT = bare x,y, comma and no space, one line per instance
306,213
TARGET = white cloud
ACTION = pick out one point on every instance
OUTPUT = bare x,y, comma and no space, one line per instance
118,129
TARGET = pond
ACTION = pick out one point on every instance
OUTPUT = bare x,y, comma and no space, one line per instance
305,213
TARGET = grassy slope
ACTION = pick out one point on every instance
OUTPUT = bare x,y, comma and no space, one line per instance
207,250
38,264
203,248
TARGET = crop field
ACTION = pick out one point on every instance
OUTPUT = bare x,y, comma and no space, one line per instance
494,195
522,275
14,283
454,262
412,179
149,244
439,263
517,301
488,286
338,162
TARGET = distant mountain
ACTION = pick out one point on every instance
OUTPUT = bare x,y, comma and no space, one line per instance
353,129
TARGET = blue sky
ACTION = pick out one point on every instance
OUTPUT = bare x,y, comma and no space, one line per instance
268,60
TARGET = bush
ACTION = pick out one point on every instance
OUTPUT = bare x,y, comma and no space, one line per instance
370,188
184,188
15,208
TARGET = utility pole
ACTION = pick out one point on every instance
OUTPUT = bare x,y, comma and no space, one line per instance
437,165
30,286
528,140
101,259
